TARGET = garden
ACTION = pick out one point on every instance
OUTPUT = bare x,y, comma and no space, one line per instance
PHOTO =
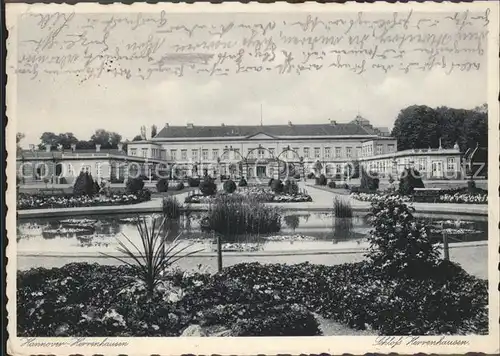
403,287
411,188
87,192
277,191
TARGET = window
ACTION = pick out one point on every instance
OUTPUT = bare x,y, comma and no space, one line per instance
261,153
184,155
85,169
317,152
194,154
338,152
215,154
173,154
163,154
450,165
338,168
204,155
306,152
380,149
237,154
348,152
390,148
358,151
144,152
250,153
421,164
327,152
133,151
98,169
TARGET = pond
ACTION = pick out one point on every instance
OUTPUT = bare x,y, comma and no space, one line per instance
301,231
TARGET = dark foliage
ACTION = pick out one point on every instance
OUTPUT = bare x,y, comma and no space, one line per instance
291,187
229,186
134,185
85,185
277,186
311,175
193,182
208,187
410,179
369,181
332,184
242,182
321,180
162,185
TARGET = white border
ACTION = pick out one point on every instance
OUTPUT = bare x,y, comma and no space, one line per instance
247,346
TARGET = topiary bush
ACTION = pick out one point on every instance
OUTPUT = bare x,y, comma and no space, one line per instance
229,186
193,182
277,186
270,182
208,187
332,184
410,179
162,185
400,245
369,181
85,185
321,179
311,175
291,187
179,186
134,185
242,182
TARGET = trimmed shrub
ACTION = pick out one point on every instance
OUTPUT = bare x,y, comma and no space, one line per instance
291,187
162,185
277,186
321,180
179,186
332,184
85,185
208,187
410,179
471,186
369,180
134,185
270,183
311,175
229,186
297,176
242,182
193,182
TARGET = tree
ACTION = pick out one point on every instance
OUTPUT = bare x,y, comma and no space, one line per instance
106,139
19,137
154,131
417,126
137,138
49,139
143,133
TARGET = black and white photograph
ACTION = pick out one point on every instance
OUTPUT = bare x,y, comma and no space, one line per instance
242,173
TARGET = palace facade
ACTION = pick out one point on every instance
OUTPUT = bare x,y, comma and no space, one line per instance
262,151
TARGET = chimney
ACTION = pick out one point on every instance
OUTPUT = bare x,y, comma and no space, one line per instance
97,147
73,147
190,125
48,148
120,146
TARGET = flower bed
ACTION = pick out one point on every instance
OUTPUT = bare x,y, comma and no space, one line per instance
38,201
259,194
457,198
249,299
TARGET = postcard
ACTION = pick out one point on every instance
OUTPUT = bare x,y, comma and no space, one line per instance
242,179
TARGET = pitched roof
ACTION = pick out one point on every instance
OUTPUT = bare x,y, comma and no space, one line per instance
341,129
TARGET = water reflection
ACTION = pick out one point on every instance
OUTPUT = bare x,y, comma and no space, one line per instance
299,231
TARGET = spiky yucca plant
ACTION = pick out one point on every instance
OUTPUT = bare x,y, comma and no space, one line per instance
155,256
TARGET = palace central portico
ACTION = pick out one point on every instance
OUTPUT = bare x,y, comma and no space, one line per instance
263,150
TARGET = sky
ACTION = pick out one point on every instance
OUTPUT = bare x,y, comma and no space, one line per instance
65,104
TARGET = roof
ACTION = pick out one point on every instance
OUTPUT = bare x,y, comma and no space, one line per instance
339,129
58,154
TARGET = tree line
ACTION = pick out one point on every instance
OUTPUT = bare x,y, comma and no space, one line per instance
107,139
420,126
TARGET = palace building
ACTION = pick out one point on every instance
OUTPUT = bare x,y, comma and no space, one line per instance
262,151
